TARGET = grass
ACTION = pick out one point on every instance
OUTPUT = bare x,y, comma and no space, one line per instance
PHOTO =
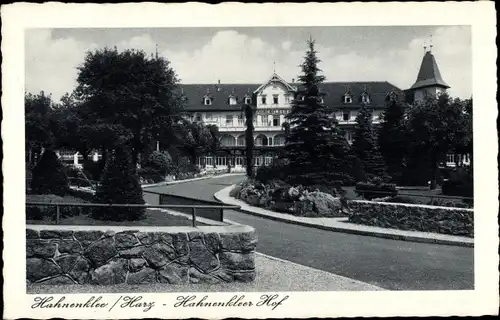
153,217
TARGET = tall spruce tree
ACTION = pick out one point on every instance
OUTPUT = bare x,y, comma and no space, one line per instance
315,148
393,138
249,142
364,145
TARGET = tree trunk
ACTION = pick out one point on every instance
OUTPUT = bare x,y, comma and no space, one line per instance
434,168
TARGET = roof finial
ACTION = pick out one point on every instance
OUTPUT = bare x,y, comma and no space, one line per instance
425,46
430,46
274,66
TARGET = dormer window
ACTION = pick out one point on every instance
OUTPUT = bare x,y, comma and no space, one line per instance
365,98
393,96
208,101
347,98
232,100
248,100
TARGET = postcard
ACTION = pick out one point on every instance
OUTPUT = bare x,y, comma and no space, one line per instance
249,160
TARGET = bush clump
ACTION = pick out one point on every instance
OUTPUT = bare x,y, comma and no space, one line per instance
160,162
48,176
119,185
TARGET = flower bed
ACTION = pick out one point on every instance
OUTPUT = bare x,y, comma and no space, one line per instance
444,220
280,197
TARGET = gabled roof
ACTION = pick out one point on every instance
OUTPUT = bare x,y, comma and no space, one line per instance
275,77
333,93
429,74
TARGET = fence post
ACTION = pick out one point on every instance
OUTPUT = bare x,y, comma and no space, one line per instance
58,214
194,216
221,214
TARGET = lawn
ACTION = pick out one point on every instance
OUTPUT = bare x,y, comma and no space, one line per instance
153,217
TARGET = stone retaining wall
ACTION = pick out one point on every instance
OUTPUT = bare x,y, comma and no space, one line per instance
444,220
175,255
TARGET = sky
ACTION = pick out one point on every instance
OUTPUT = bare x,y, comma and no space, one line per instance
249,55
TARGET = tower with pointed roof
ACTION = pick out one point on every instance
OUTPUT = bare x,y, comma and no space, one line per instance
429,79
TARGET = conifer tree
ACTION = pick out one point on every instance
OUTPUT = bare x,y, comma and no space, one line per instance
48,175
393,139
315,149
119,185
364,145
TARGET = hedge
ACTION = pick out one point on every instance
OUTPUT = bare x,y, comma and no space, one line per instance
370,190
452,221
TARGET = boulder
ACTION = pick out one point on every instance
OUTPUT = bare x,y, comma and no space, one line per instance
114,272
174,274
144,276
201,257
101,251
37,269
324,204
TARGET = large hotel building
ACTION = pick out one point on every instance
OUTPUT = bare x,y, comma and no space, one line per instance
221,104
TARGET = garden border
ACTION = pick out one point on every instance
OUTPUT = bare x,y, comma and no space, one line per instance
340,226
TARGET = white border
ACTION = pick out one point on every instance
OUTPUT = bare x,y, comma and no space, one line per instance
480,15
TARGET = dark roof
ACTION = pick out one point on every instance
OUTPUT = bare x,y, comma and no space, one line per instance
195,93
429,74
333,93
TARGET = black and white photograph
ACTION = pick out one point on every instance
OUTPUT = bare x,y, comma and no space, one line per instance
213,163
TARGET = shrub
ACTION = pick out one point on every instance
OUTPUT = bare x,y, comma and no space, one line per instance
397,199
93,170
276,171
235,192
48,177
119,185
159,161
150,175
375,189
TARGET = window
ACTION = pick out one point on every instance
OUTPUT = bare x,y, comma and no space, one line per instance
279,140
198,117
208,101
241,141
240,121
248,100
275,99
276,121
232,100
347,98
209,117
229,120
263,99
348,136
365,98
287,98
268,160
346,115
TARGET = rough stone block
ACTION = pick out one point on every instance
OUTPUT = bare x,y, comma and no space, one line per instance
80,270
212,241
237,261
125,240
144,276
248,276
67,262
201,257
196,276
136,264
69,246
56,234
114,272
40,248
174,274
101,251
244,242
180,241
134,252
88,235
159,255
148,238
193,235
32,234
37,269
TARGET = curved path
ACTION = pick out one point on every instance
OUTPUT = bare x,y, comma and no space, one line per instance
390,264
